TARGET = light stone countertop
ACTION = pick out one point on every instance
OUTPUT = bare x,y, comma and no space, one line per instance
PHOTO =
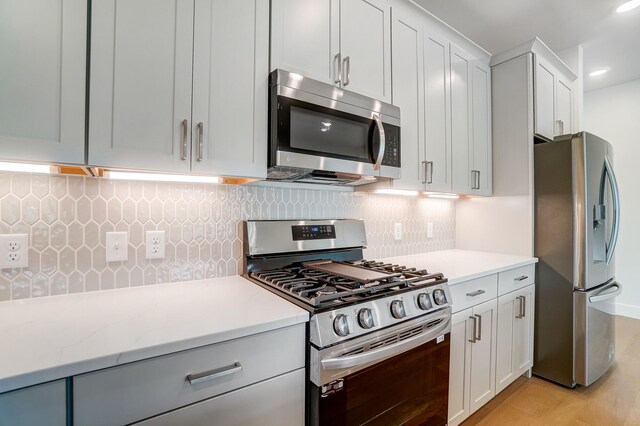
462,265
44,339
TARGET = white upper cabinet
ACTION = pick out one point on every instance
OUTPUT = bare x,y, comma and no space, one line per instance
461,121
42,80
342,42
179,86
230,80
140,98
481,125
305,37
365,46
552,100
407,94
437,114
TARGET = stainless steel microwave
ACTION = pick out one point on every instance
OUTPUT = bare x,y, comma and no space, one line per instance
320,133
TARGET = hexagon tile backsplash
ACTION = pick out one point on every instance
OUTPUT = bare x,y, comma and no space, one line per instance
67,218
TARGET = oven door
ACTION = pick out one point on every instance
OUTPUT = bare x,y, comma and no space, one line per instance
409,385
316,133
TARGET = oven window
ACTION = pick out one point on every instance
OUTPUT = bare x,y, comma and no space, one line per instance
409,389
315,131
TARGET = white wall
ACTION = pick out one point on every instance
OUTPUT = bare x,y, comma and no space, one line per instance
613,113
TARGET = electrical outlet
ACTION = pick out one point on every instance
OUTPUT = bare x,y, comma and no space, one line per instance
397,231
117,246
14,251
429,230
154,244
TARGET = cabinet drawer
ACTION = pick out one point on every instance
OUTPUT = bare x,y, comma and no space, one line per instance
516,278
253,405
473,292
132,392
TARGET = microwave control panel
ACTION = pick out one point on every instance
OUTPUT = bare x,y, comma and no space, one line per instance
392,146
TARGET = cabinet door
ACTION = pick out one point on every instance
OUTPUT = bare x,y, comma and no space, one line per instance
459,366
407,90
254,405
523,331
563,106
483,356
305,37
42,80
544,99
481,125
37,405
437,113
365,44
461,121
230,88
508,308
141,54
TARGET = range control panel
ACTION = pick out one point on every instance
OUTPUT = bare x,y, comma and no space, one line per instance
313,232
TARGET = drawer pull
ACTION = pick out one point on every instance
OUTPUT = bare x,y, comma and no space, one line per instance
214,374
476,293
521,278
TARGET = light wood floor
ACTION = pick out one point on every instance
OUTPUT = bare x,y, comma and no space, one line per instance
612,400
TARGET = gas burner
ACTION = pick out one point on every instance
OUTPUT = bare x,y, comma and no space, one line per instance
326,290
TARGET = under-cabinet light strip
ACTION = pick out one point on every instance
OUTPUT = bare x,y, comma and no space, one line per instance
25,167
162,177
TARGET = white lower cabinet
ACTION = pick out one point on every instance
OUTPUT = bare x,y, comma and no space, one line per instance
515,336
491,338
277,401
36,405
210,380
472,367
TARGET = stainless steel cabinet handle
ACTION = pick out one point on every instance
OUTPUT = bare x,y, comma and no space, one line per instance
383,141
479,337
560,125
430,171
475,175
520,313
199,141
521,278
477,179
214,374
183,139
425,168
475,326
524,306
347,67
338,59
476,293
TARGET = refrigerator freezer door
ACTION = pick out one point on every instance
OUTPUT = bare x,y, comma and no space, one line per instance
594,332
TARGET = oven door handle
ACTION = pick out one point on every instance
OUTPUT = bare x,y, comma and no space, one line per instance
387,351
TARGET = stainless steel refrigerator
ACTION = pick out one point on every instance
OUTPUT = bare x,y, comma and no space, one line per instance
577,220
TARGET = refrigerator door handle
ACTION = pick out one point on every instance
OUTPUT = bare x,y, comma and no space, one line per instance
606,294
615,193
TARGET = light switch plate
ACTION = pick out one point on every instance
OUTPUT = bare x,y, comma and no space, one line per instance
154,244
14,251
117,246
397,231
429,230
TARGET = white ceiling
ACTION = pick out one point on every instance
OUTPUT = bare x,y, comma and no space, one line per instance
609,39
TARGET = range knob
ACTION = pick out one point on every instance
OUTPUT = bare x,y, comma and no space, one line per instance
365,318
397,309
439,297
341,325
424,302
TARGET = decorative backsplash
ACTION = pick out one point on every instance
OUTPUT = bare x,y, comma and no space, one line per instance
67,218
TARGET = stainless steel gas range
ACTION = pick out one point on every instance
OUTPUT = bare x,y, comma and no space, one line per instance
378,336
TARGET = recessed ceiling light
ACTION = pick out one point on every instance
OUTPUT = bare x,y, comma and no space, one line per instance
598,72
630,5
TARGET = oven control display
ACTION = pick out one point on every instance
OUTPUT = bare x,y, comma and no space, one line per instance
313,232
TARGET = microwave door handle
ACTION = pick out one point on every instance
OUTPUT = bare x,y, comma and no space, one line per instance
615,193
376,166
